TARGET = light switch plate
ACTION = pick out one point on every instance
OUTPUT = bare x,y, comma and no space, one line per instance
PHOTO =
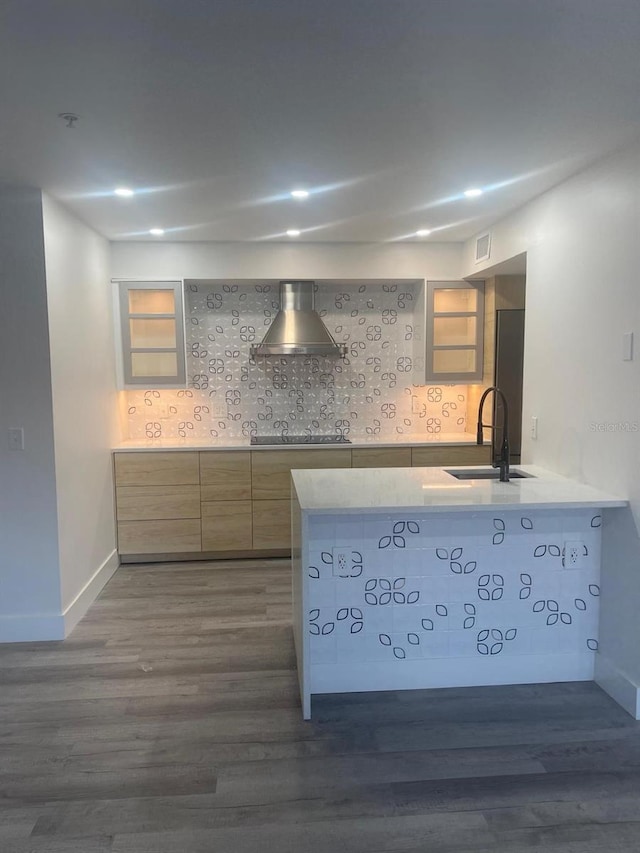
627,346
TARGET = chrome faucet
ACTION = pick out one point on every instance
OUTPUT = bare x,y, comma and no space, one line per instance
502,462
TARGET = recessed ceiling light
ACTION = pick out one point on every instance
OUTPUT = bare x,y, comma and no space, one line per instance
474,192
293,232
123,192
300,193
157,232
423,232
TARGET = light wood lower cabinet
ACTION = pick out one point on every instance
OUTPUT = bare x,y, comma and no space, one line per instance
272,524
225,475
161,468
146,503
429,457
167,536
271,469
381,457
227,526
158,502
215,501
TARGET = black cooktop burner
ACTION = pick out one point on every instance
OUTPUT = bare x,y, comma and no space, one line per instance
299,439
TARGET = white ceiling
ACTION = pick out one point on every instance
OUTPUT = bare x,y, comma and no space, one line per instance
385,109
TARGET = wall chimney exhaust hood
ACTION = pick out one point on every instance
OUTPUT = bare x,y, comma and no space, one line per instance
297,328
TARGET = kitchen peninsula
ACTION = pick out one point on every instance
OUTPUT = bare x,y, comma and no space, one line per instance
412,578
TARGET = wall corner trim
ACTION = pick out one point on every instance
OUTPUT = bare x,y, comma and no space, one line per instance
74,611
618,685
43,627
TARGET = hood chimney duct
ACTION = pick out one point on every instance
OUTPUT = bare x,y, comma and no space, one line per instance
297,328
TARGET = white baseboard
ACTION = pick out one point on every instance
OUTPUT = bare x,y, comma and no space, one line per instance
450,672
74,612
619,686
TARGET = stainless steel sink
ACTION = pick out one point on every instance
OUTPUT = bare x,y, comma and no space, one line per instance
485,474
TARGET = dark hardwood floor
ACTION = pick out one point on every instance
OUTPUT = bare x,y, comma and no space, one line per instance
169,722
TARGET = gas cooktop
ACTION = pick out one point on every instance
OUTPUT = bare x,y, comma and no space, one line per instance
299,439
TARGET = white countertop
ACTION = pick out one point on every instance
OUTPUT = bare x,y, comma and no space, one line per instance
378,490
431,439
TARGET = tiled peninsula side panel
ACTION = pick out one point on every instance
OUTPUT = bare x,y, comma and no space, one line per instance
434,600
367,394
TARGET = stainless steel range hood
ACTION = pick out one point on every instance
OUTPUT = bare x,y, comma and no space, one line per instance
297,328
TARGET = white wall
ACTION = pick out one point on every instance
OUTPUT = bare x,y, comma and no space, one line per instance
57,382
583,259
284,260
85,407
29,569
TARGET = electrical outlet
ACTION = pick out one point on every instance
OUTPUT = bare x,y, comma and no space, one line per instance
574,554
417,406
340,562
534,427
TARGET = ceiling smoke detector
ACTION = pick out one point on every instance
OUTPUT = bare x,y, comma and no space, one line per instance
70,118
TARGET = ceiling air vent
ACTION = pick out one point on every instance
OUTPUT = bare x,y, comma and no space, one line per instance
483,247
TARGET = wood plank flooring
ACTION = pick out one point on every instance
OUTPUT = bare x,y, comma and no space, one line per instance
169,722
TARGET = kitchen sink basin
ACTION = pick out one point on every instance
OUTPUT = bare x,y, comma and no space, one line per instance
484,474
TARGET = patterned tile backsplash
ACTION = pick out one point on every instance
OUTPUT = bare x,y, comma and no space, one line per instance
461,586
439,599
369,393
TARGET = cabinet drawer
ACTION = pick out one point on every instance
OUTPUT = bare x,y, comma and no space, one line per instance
381,457
226,526
425,457
272,524
271,469
225,476
176,468
171,536
137,503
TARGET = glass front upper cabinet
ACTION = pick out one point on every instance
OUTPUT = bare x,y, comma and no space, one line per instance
152,333
455,324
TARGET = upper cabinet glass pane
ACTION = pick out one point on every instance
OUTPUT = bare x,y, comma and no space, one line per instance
154,364
153,333
152,302
446,301
454,361
454,331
